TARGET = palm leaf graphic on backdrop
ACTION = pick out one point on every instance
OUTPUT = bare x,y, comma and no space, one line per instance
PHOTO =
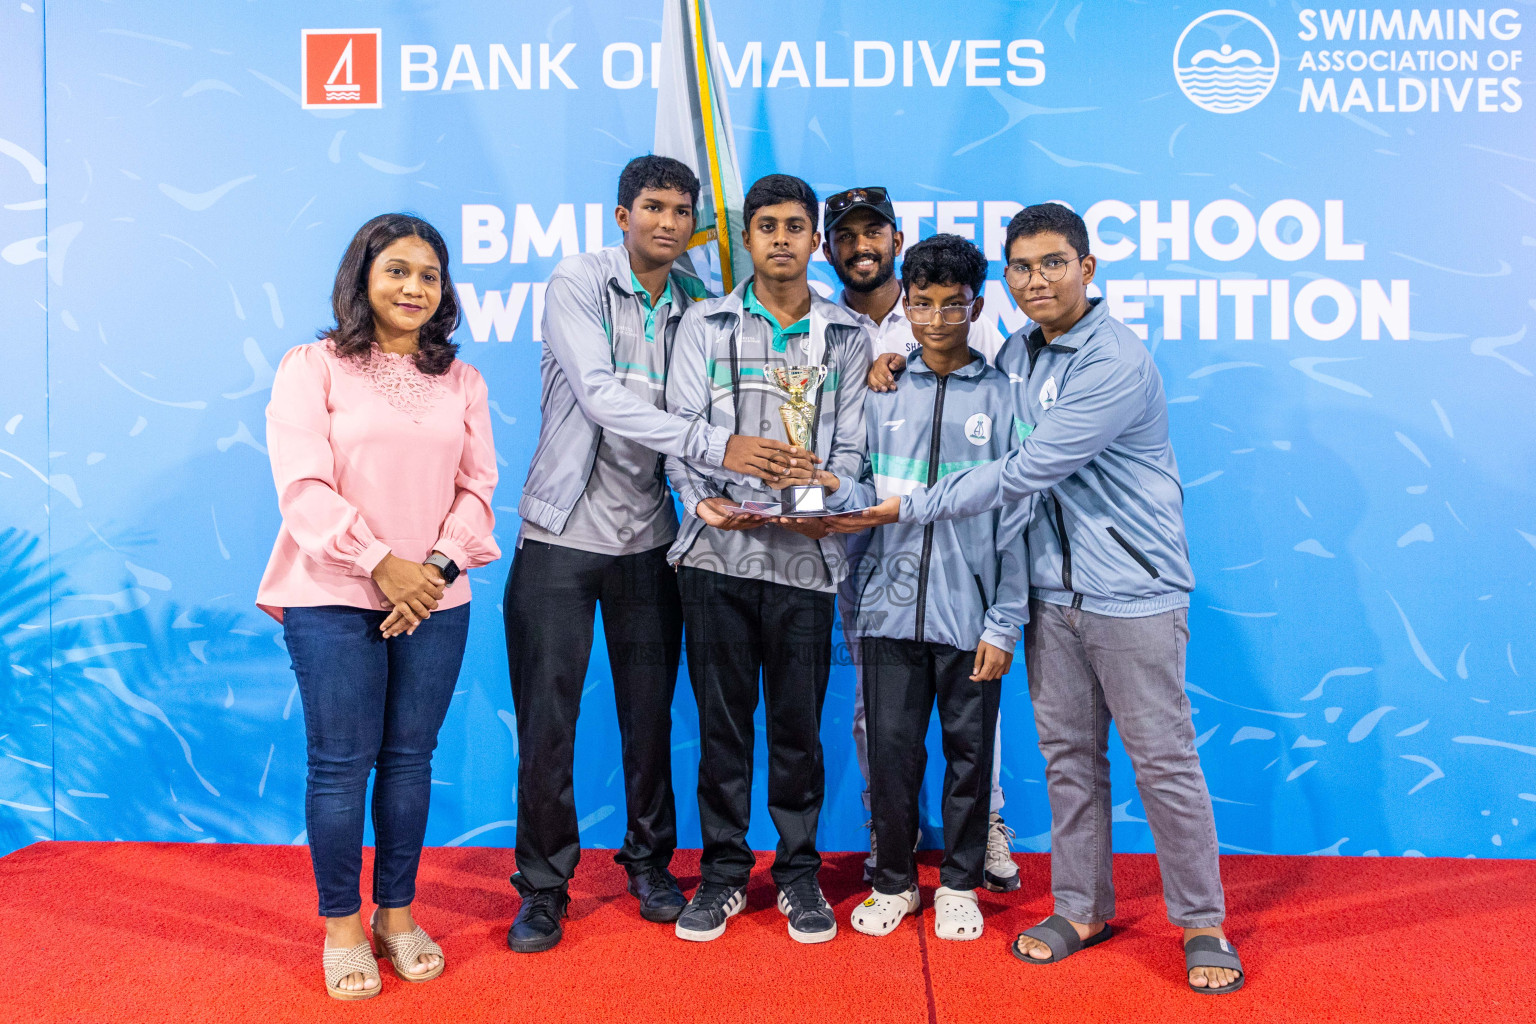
169,722
26,813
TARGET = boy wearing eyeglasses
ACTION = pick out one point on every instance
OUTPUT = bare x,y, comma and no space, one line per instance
862,242
937,608
1109,609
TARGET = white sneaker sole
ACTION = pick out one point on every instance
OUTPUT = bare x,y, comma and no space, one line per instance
734,907
808,938
811,938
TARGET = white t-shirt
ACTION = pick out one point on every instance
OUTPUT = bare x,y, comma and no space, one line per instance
894,333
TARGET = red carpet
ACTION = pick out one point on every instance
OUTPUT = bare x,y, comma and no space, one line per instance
102,932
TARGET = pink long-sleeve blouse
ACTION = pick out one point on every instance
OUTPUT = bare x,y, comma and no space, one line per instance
373,457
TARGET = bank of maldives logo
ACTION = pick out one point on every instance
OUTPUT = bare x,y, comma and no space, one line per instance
1226,62
341,67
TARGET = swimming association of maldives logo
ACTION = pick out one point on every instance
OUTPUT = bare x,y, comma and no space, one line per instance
341,67
1226,62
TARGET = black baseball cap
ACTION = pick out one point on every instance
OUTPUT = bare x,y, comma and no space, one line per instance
873,197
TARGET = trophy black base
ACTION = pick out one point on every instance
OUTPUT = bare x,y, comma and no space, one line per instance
805,498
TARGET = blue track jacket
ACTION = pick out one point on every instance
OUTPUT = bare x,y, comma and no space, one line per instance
958,581
1107,533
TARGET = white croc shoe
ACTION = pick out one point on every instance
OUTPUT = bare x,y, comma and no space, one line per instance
955,914
880,914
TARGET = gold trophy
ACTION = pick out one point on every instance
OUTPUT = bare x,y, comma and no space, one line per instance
799,418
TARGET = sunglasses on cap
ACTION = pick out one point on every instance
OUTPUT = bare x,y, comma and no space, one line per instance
874,196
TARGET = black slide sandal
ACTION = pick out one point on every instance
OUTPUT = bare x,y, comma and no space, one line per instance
1209,951
1057,933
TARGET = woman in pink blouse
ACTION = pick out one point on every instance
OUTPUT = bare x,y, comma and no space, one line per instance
381,450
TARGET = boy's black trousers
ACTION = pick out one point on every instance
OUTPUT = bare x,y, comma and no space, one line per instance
903,679
549,606
736,629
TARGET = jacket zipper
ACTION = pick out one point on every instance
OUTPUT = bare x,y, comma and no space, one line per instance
981,590
598,442
1066,554
933,478
709,417
667,331
1141,559
1061,523
815,435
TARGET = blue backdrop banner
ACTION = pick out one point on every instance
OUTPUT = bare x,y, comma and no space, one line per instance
1318,218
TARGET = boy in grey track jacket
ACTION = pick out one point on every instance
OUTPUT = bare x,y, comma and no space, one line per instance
1109,616
758,595
937,608
597,520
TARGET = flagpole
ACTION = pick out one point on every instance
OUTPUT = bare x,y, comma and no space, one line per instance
706,110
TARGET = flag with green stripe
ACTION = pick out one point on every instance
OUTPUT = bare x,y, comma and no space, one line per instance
693,124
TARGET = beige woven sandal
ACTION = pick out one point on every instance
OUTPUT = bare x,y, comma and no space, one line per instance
404,948
358,960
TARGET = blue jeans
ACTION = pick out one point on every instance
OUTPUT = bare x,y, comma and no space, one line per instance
370,703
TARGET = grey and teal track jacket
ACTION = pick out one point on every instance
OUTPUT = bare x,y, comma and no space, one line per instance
953,582
1107,533
600,373
717,369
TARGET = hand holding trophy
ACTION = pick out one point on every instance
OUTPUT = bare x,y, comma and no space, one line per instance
799,416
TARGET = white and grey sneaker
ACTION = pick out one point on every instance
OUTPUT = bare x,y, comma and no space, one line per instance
869,862
705,916
1001,873
810,916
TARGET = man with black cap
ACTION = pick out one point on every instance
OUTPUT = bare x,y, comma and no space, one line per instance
862,241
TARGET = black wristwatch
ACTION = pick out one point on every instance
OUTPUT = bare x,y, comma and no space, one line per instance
447,566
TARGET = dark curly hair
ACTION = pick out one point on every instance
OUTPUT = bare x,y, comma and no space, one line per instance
1043,218
944,259
659,172
353,335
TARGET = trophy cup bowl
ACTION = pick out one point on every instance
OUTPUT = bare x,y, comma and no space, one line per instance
799,418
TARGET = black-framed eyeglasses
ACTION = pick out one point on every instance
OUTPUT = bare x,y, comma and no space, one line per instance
841,201
1052,269
952,315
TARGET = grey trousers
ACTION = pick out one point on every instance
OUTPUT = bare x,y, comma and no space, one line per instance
1084,671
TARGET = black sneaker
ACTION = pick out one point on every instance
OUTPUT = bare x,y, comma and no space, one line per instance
661,898
537,925
810,917
712,906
